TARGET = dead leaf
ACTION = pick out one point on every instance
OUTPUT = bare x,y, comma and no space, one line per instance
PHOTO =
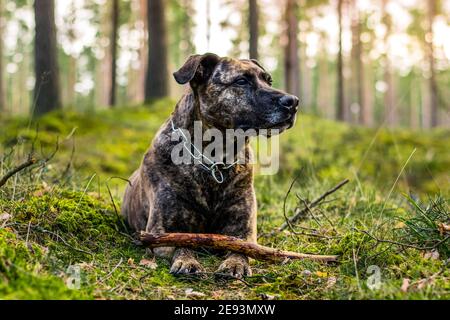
422,283
427,281
405,285
151,264
331,282
321,274
130,262
432,255
217,294
5,216
190,293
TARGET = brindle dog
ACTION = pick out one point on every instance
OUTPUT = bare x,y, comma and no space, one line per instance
163,197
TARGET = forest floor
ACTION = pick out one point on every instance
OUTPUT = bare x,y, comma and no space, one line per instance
62,238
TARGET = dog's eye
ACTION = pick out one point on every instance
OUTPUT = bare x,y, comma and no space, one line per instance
241,82
268,79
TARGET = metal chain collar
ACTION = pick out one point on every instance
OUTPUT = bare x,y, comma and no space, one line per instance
215,168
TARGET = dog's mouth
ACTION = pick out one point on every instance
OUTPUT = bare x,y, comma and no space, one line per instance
271,129
287,122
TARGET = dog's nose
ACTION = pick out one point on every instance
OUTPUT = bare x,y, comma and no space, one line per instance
289,101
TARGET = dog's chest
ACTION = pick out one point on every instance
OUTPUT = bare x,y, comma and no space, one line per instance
203,191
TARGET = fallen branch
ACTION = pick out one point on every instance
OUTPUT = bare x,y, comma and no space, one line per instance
222,242
406,245
31,160
313,204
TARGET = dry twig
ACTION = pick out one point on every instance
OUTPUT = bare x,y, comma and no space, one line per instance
30,161
405,245
315,203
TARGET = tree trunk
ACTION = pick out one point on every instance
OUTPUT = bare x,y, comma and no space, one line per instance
291,59
357,66
187,26
2,84
113,46
157,82
143,53
340,113
68,91
103,72
47,89
390,110
430,50
253,26
369,94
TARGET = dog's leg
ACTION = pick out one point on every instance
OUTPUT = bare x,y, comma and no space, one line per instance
235,265
240,222
184,262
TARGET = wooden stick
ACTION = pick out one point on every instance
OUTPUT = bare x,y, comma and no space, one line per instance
31,160
222,242
313,204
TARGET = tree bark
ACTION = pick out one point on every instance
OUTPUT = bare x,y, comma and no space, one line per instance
369,94
68,92
390,110
139,95
187,26
432,80
357,65
113,46
253,28
2,83
47,89
221,242
340,113
291,59
157,82
103,73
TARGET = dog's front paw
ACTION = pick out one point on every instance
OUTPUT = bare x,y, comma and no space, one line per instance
235,266
185,265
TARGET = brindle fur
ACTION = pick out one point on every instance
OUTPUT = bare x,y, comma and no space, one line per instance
164,197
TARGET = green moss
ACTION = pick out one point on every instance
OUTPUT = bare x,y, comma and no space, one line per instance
24,275
63,216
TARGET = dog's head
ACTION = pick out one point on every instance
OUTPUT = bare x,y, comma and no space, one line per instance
237,94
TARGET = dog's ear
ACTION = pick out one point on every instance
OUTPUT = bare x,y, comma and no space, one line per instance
257,63
197,67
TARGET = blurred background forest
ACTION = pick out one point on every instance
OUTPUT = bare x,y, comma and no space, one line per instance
382,62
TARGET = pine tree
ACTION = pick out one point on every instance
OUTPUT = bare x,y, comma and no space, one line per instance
47,89
157,79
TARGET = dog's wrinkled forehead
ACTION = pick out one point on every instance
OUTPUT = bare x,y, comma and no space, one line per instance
228,69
